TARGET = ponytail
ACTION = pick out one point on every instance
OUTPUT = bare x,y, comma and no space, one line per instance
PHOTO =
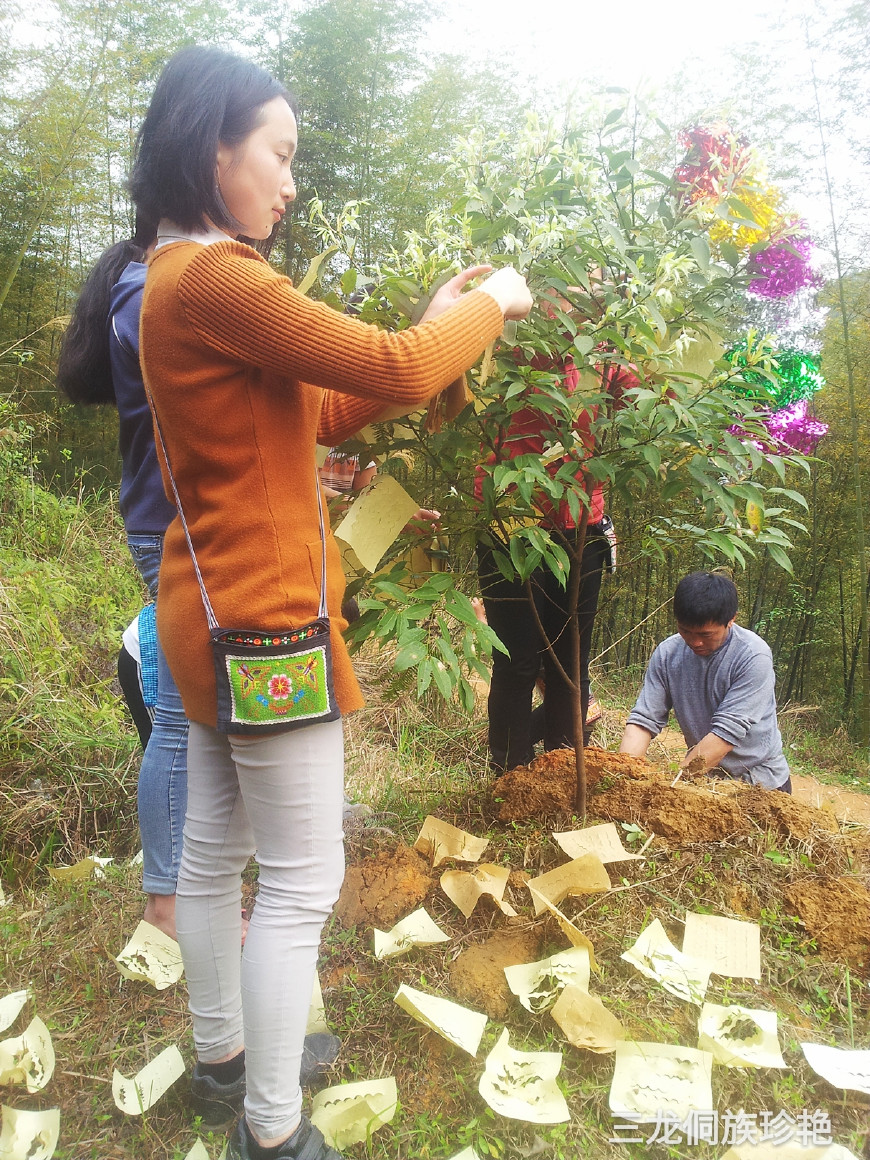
84,371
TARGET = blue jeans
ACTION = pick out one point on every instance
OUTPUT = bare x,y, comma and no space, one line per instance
163,776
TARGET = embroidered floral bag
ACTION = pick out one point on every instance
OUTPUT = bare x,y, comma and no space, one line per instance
268,681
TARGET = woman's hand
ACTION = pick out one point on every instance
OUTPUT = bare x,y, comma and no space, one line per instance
510,291
450,293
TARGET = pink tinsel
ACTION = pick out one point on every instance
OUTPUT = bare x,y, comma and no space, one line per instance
791,429
783,268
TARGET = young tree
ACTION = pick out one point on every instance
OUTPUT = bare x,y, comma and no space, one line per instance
629,281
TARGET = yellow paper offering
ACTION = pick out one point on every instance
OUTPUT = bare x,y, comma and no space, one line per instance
467,887
652,1078
135,1096
375,520
349,1113
439,841
151,956
11,1006
29,1135
538,985
29,1058
456,1024
602,840
655,956
522,1084
418,929
731,946
586,1022
584,875
740,1036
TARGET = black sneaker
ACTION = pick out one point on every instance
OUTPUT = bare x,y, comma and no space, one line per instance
318,1055
306,1143
219,1104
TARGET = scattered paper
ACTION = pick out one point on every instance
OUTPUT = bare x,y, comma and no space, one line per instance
198,1152
466,887
138,1094
602,840
456,1024
583,875
466,1154
375,519
91,867
349,1113
586,1022
538,985
418,929
522,1084
732,947
317,1010
2,896
138,859
151,956
439,841
11,1006
29,1135
740,1036
651,1078
789,1151
29,1058
840,1067
574,935
655,956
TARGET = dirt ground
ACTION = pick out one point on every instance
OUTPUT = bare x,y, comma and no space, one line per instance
384,888
477,977
824,887
836,912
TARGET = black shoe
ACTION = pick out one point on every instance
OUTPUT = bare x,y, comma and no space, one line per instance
318,1055
306,1143
218,1103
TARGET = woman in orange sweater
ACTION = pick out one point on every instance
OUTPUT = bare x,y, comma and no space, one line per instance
245,376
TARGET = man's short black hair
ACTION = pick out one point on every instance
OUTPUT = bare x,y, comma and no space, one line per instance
705,598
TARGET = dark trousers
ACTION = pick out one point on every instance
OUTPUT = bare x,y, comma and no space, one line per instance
513,677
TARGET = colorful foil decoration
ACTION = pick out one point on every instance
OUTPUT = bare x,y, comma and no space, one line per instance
763,202
783,268
712,154
794,427
797,376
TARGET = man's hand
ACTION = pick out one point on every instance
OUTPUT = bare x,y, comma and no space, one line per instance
711,748
424,520
635,740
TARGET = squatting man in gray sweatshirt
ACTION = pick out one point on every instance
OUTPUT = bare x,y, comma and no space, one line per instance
718,678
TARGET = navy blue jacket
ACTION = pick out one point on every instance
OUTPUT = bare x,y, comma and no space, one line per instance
144,506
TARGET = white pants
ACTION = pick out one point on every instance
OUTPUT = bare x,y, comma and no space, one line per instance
281,796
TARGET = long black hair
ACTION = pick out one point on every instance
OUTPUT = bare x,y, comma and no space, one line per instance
204,98
84,372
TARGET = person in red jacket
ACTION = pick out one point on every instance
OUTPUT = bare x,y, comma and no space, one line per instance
512,725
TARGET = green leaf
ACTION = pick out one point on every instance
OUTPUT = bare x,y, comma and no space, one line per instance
583,344
315,269
701,250
409,656
779,557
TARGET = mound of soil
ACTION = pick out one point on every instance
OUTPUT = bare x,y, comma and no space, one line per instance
780,813
836,912
478,977
383,888
547,785
680,813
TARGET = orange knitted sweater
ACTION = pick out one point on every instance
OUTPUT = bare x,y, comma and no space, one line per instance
247,375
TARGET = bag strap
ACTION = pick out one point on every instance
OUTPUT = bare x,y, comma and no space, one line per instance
209,611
